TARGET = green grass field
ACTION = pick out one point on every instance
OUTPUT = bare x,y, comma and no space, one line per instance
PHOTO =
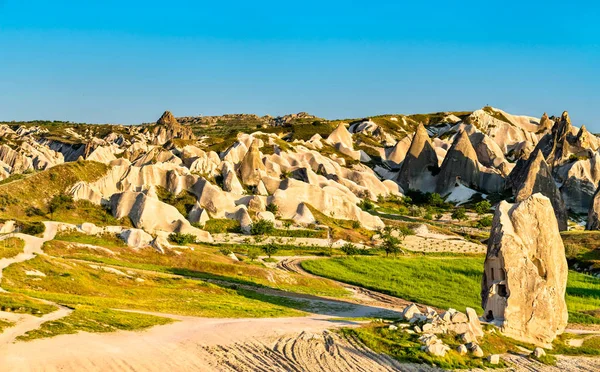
11,247
445,282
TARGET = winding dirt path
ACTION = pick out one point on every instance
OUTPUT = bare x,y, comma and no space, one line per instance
26,322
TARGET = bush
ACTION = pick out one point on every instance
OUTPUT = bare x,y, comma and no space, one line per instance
482,207
349,249
416,211
31,228
434,199
366,205
182,239
262,227
485,221
61,201
355,224
428,216
225,251
459,214
572,250
252,253
270,249
273,208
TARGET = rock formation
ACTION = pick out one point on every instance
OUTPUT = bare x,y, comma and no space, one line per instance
525,276
533,176
460,164
251,166
593,221
418,164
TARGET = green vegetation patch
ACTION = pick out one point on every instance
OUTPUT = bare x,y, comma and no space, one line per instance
34,193
203,263
11,247
20,304
78,283
91,319
406,348
445,282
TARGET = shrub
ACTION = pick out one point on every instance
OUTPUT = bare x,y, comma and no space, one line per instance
273,208
61,201
482,207
182,239
349,249
434,199
355,224
270,249
459,214
572,250
225,251
366,205
485,221
439,216
428,216
416,211
32,228
262,227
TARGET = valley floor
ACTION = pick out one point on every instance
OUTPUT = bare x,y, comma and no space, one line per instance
191,343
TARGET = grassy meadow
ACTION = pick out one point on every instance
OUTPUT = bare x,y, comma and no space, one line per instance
445,281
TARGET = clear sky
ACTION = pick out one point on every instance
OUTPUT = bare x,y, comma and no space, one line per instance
127,61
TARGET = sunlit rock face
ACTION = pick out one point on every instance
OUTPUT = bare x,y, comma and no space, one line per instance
525,276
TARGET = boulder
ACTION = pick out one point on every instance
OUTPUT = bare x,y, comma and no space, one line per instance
136,238
525,273
538,352
493,359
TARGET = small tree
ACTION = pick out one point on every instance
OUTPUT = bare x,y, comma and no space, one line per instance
270,249
366,205
391,240
482,207
262,227
459,214
349,249
60,201
252,254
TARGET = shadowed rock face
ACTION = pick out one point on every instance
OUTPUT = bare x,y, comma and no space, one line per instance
460,162
534,176
525,274
556,146
419,162
593,222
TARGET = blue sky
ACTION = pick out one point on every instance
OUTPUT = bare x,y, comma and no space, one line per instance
127,61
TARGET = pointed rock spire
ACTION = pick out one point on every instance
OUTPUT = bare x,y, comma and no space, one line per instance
341,135
535,176
251,166
168,119
419,162
460,163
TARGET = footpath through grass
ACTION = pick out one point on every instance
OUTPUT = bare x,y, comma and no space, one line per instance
445,282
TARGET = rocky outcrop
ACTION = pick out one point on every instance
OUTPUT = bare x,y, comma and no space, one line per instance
525,274
251,166
534,176
460,165
168,128
419,163
593,220
143,211
556,146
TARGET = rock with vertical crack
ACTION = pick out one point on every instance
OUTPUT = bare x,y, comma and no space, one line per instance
525,272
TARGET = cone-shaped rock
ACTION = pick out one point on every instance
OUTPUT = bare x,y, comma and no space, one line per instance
586,140
533,176
420,161
341,135
460,163
167,128
545,124
525,273
251,166
593,222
